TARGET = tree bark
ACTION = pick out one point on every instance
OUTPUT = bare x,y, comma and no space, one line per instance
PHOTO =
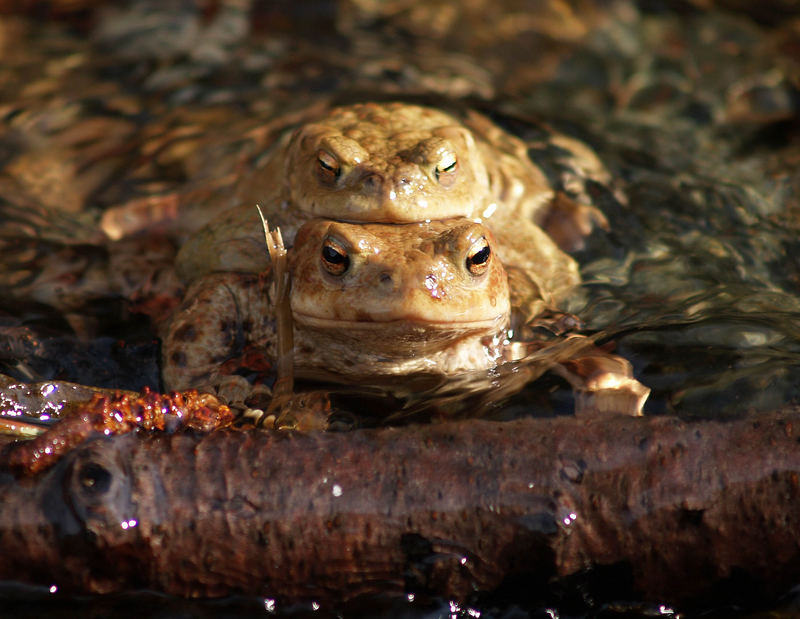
449,509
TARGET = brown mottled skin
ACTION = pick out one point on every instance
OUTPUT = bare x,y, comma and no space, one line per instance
413,298
393,163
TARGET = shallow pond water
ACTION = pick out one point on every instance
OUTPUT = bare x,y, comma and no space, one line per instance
691,107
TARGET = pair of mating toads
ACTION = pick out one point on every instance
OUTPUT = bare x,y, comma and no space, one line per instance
420,243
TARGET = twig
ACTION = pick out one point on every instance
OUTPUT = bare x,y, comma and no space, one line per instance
284,382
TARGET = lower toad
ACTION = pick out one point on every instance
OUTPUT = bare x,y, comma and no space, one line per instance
370,304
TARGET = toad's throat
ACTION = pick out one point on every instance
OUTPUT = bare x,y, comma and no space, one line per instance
338,350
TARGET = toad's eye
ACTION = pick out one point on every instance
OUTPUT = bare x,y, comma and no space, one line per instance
446,169
334,257
328,168
478,257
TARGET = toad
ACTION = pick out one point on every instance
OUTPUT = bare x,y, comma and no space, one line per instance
401,163
367,301
371,303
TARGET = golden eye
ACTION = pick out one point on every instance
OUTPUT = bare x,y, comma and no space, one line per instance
478,257
328,167
446,169
334,257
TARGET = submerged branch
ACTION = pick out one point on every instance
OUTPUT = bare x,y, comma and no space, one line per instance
452,509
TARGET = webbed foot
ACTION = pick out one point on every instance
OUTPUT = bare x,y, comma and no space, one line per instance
604,385
303,412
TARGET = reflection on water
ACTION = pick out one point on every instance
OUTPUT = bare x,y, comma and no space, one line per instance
38,602
710,310
489,395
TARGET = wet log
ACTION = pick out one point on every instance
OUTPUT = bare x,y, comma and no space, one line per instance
450,509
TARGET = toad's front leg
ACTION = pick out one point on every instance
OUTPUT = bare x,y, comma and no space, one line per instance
223,331
231,326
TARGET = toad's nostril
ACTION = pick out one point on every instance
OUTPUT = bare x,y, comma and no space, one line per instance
372,182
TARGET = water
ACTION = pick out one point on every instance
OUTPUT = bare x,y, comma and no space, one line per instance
692,112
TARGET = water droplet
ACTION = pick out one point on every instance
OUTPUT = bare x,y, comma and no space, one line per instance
336,490
573,472
455,609
269,605
53,588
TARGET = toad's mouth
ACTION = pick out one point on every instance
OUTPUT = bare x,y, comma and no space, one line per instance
404,332
411,323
